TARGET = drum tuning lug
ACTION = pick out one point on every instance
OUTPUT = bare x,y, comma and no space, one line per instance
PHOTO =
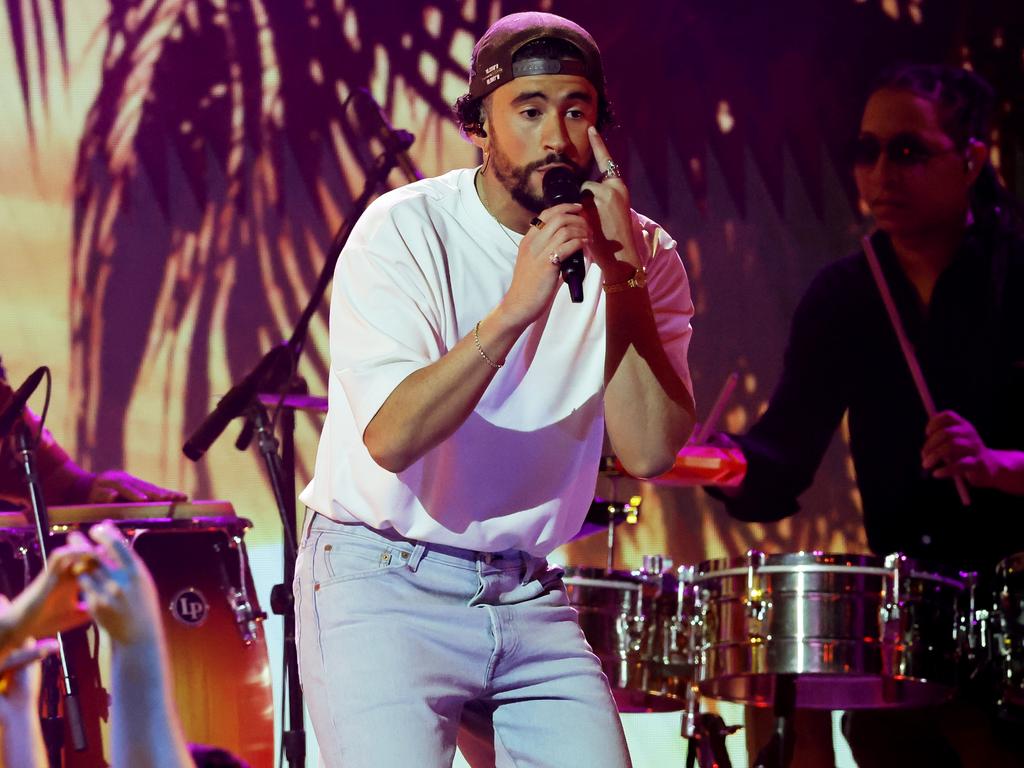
757,605
653,565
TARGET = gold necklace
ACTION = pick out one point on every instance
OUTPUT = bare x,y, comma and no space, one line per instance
483,201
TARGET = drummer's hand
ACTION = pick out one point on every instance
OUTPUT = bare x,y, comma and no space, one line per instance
953,448
117,485
49,604
119,592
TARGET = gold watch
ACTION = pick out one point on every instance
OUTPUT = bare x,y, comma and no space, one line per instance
638,280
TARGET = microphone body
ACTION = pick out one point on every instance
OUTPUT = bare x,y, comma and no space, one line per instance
234,402
562,186
14,408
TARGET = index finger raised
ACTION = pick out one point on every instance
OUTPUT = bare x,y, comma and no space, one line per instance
601,154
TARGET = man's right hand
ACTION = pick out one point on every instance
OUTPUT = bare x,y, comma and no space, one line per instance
537,276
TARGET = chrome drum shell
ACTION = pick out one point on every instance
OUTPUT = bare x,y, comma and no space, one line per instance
854,631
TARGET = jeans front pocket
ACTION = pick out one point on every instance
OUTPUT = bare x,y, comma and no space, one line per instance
344,556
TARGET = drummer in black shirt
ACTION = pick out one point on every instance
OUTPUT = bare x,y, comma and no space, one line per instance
950,246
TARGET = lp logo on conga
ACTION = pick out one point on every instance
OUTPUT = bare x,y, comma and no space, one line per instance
190,607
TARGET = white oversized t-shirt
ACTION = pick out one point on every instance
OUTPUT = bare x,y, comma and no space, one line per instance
423,265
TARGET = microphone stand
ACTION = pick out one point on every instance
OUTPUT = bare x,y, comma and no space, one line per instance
293,737
282,601
53,731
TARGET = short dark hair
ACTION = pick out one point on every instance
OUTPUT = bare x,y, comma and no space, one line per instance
469,111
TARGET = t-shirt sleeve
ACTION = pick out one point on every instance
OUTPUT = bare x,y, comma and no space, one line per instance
669,289
385,316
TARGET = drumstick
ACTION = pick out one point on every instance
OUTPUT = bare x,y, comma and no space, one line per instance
908,351
716,410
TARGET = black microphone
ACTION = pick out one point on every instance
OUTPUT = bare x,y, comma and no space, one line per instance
17,404
373,124
562,186
238,398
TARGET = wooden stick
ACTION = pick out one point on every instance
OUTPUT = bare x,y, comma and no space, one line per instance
716,410
908,350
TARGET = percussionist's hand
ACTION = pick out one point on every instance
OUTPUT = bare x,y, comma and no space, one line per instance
953,448
116,485
119,592
610,217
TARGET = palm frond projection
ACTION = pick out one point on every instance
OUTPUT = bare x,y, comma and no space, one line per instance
217,160
215,165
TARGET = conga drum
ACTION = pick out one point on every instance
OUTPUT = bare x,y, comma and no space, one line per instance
219,668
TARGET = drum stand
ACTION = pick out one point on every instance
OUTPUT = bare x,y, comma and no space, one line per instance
705,733
778,752
59,668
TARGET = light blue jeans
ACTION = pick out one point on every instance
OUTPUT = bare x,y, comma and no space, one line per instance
406,648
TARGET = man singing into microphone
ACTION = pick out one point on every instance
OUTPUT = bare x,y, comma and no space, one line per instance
468,400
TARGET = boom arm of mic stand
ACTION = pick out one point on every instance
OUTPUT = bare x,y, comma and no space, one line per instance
385,163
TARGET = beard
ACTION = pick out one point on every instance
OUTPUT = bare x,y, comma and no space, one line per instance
516,179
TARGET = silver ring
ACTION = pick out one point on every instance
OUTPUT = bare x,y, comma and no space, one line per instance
553,258
612,170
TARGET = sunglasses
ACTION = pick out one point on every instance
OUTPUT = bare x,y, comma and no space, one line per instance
903,149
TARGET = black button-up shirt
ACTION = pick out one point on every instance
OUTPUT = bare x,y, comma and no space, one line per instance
843,355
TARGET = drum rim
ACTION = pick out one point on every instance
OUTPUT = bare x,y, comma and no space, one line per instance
817,562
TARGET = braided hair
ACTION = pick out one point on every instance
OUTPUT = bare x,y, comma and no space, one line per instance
964,103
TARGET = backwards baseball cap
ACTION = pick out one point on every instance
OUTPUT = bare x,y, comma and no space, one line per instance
492,65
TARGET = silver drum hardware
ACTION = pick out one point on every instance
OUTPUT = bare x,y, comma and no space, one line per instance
857,631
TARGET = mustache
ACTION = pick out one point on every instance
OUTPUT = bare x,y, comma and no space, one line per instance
553,158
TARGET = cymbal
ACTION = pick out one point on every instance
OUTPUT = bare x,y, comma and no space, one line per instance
311,403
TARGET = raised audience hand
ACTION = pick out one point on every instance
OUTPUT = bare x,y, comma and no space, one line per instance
119,592
21,737
49,604
122,598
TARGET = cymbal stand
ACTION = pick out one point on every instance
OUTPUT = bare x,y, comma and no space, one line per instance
53,730
610,557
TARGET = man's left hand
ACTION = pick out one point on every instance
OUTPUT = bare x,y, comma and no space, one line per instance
610,218
117,485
